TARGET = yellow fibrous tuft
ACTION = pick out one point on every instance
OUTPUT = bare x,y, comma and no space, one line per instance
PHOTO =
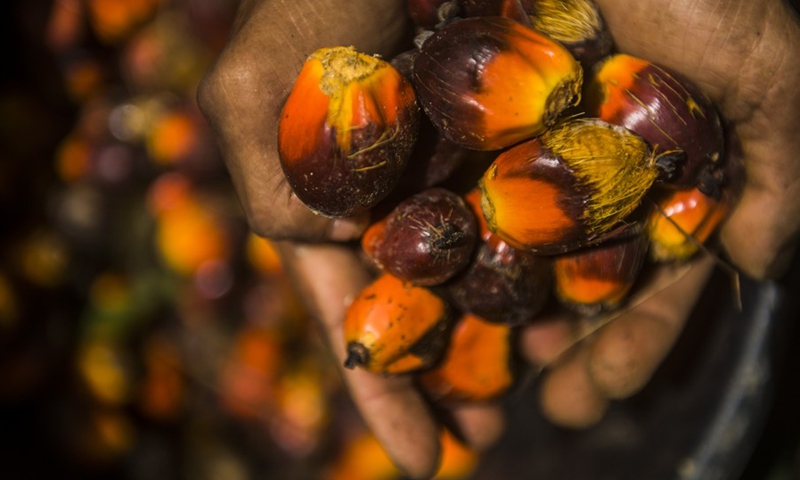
568,21
616,165
353,82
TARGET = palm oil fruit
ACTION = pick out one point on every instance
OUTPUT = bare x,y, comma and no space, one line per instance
685,219
567,188
425,240
489,82
501,284
394,327
665,108
346,131
478,364
576,24
598,278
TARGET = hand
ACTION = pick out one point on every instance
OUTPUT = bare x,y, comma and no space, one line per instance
741,53
744,56
242,96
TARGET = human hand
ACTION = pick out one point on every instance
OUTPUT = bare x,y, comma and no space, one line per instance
744,56
242,97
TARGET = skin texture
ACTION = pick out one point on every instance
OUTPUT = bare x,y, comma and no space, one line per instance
742,53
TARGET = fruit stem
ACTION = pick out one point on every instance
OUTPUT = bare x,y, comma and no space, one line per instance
357,355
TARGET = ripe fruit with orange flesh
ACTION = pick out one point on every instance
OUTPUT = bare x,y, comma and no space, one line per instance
425,240
501,284
394,327
490,82
567,188
598,278
346,131
477,365
364,458
665,108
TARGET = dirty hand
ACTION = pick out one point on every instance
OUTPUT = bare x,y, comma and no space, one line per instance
739,51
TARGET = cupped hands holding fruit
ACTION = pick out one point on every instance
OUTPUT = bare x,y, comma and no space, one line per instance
743,54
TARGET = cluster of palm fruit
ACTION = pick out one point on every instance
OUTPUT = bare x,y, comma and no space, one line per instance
511,160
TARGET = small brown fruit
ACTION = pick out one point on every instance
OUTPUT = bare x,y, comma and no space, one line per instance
425,240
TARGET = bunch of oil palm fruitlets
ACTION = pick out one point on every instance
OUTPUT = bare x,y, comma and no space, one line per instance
512,161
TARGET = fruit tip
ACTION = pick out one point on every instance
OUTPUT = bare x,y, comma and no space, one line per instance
357,355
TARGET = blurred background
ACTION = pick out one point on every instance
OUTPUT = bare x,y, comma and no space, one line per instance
144,332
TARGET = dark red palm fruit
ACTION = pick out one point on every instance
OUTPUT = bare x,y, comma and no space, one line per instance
568,188
425,240
501,284
576,24
511,9
346,131
598,278
665,108
434,158
478,365
424,13
489,82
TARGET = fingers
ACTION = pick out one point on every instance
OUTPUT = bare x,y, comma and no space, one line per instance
619,359
242,94
478,425
569,398
329,277
628,350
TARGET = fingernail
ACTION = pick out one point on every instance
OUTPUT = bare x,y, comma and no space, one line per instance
345,229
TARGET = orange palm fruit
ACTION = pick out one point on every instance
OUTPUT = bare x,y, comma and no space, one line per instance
478,364
501,284
598,278
364,458
394,327
458,460
576,24
425,240
346,131
684,219
569,187
663,107
489,82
